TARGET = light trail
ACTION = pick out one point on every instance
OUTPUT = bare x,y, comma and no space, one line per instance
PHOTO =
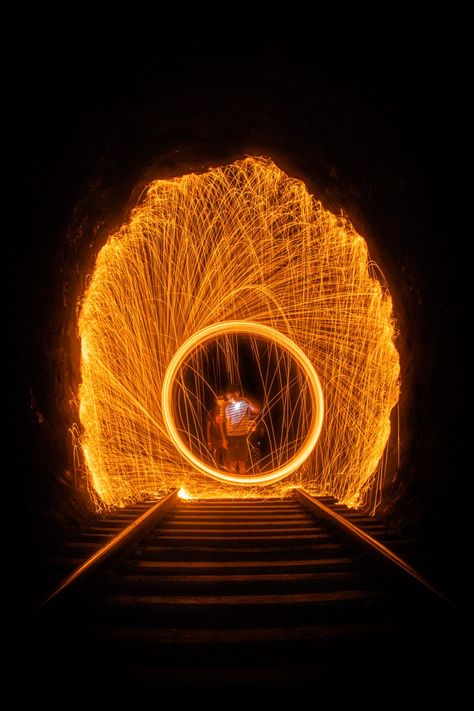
252,329
240,243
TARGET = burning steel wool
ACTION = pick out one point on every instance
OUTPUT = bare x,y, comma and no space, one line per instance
235,275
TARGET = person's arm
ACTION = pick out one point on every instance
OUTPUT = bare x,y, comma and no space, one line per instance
208,432
253,406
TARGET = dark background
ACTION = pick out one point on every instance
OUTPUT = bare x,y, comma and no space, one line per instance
372,126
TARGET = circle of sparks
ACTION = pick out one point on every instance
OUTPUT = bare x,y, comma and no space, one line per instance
251,329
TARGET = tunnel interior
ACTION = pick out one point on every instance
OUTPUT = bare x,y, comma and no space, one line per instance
377,150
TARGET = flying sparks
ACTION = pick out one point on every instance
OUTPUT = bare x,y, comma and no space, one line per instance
235,275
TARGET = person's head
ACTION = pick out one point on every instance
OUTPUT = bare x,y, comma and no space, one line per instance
220,399
232,392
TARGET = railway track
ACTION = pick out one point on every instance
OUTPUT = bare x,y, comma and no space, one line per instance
260,594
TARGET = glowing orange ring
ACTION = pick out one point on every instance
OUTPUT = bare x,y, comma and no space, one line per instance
254,329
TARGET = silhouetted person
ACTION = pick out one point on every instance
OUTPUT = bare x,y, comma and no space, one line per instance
235,428
213,431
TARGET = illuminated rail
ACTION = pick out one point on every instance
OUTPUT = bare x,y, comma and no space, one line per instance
114,548
277,592
118,547
364,542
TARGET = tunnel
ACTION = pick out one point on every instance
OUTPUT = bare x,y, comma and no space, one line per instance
373,151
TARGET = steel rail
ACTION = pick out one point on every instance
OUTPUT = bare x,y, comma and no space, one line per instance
366,543
116,547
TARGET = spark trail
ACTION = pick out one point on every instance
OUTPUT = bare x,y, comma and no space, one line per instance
243,242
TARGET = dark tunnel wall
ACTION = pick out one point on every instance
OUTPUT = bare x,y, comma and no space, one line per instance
369,138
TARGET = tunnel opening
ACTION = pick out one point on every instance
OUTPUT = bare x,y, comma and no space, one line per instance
238,242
